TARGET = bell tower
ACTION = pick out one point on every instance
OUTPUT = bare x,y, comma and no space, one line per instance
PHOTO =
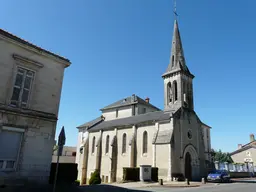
178,81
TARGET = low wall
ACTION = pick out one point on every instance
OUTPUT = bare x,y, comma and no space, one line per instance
239,174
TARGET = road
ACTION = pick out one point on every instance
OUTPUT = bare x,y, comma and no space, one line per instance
232,187
229,187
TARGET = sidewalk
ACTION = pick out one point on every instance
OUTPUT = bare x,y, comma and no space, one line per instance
156,184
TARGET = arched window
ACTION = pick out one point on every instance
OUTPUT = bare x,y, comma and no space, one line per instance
107,144
175,90
169,93
93,144
145,142
124,143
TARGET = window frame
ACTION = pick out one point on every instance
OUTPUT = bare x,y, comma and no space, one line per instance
124,143
175,90
22,132
145,143
93,144
117,113
169,96
107,145
19,102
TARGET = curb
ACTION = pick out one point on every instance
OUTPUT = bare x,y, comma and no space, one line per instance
172,186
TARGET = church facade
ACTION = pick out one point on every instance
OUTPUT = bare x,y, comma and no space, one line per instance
132,132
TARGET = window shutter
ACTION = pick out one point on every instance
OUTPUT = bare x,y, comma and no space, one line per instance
17,87
26,88
9,145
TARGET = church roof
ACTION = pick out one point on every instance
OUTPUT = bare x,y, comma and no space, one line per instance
91,123
163,136
177,59
134,99
130,121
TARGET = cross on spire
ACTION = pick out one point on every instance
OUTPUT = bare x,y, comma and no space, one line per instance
175,9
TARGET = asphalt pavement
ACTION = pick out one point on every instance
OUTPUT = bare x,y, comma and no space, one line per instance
230,187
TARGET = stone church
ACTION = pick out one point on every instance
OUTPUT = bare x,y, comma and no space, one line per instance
133,132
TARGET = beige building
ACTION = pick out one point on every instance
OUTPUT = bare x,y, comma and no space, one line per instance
68,155
133,132
245,153
30,89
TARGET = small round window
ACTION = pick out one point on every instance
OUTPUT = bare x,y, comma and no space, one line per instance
190,134
248,153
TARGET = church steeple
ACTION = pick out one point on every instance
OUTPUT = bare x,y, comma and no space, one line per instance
177,58
177,78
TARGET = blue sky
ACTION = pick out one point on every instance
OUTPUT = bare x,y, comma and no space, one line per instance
121,47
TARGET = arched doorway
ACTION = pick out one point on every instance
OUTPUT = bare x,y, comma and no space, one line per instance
188,167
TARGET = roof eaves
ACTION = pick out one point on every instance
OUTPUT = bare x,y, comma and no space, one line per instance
206,125
242,149
118,106
24,42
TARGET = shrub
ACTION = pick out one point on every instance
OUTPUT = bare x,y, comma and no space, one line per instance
131,174
154,174
95,178
67,173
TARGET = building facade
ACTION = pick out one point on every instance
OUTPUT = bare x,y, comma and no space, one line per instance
68,155
132,132
30,90
245,153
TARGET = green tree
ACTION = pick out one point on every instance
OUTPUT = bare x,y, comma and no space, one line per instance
221,156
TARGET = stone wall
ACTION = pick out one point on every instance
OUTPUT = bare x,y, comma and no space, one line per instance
35,155
38,119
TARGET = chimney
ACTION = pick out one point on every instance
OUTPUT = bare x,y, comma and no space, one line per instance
147,100
133,98
252,138
239,146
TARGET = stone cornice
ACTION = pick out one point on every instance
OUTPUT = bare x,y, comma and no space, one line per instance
28,112
173,73
26,60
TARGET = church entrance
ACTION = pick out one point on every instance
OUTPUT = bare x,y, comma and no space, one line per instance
188,167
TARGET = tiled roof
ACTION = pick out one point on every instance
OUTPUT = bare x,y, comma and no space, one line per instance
22,41
163,136
243,149
91,123
133,120
134,99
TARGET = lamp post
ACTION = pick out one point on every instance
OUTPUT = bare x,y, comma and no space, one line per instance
61,143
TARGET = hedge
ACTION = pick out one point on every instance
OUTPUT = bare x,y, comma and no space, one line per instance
67,172
154,174
133,174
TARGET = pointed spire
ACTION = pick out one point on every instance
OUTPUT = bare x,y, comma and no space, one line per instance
62,137
177,59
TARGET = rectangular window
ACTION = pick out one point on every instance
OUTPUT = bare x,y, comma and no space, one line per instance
116,113
144,110
9,149
22,87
